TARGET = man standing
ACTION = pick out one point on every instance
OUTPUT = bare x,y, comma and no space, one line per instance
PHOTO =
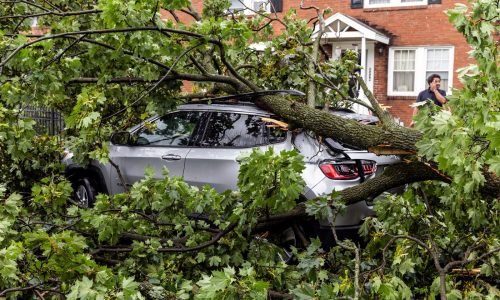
433,93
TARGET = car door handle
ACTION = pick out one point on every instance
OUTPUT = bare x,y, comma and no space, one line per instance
171,157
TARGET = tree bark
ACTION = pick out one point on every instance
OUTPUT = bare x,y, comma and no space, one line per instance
393,139
393,176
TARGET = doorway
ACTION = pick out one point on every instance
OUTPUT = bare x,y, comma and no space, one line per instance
367,72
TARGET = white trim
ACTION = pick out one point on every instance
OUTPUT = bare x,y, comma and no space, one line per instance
332,29
260,46
393,3
451,71
420,69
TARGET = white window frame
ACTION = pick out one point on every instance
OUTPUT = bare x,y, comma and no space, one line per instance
394,3
250,4
420,69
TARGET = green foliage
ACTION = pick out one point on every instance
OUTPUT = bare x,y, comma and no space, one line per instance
165,239
154,218
280,174
19,145
215,8
454,221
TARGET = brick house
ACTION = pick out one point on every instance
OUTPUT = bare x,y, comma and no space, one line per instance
400,42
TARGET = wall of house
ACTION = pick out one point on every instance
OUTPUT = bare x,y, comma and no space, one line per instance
407,26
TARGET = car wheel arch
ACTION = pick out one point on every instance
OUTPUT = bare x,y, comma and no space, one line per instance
75,173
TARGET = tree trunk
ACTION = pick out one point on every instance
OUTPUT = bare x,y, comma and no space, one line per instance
394,138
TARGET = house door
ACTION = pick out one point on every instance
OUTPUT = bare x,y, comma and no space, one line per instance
338,48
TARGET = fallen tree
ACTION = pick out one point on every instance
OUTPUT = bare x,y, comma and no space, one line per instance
107,65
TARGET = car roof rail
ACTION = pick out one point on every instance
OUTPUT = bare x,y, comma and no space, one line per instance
246,96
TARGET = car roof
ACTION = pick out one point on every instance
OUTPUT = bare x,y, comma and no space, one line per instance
239,107
361,118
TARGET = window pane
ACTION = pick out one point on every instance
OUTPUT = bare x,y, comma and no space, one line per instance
379,1
237,5
404,60
259,5
174,129
403,81
276,135
234,130
438,59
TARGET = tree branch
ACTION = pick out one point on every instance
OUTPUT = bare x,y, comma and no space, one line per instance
214,240
188,77
59,14
311,86
18,289
103,31
393,176
231,69
382,114
466,260
104,45
332,86
278,295
58,56
190,11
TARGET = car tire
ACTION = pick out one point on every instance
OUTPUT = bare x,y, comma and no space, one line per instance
84,192
288,238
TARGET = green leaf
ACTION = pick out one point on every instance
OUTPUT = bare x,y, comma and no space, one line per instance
304,292
214,261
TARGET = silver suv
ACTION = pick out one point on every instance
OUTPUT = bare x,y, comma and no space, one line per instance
201,142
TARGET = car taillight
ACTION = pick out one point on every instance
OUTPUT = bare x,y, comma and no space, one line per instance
348,169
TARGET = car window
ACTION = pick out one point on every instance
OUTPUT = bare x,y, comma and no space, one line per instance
234,130
175,129
276,134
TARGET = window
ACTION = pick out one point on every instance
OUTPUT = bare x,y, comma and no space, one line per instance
249,6
175,129
391,3
234,130
409,68
276,134
438,62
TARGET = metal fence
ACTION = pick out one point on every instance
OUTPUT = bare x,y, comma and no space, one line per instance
48,121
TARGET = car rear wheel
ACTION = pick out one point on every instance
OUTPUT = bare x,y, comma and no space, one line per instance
85,193
288,238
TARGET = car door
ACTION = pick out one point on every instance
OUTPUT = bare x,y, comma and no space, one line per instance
227,136
163,142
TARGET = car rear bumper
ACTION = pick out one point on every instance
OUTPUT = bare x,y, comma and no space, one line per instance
353,214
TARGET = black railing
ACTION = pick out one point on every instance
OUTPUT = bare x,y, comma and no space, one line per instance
48,121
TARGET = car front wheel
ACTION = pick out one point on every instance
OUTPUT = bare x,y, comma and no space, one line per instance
85,193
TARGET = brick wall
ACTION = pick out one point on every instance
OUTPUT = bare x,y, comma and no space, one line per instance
407,26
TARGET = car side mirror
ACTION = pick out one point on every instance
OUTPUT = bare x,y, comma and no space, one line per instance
122,138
